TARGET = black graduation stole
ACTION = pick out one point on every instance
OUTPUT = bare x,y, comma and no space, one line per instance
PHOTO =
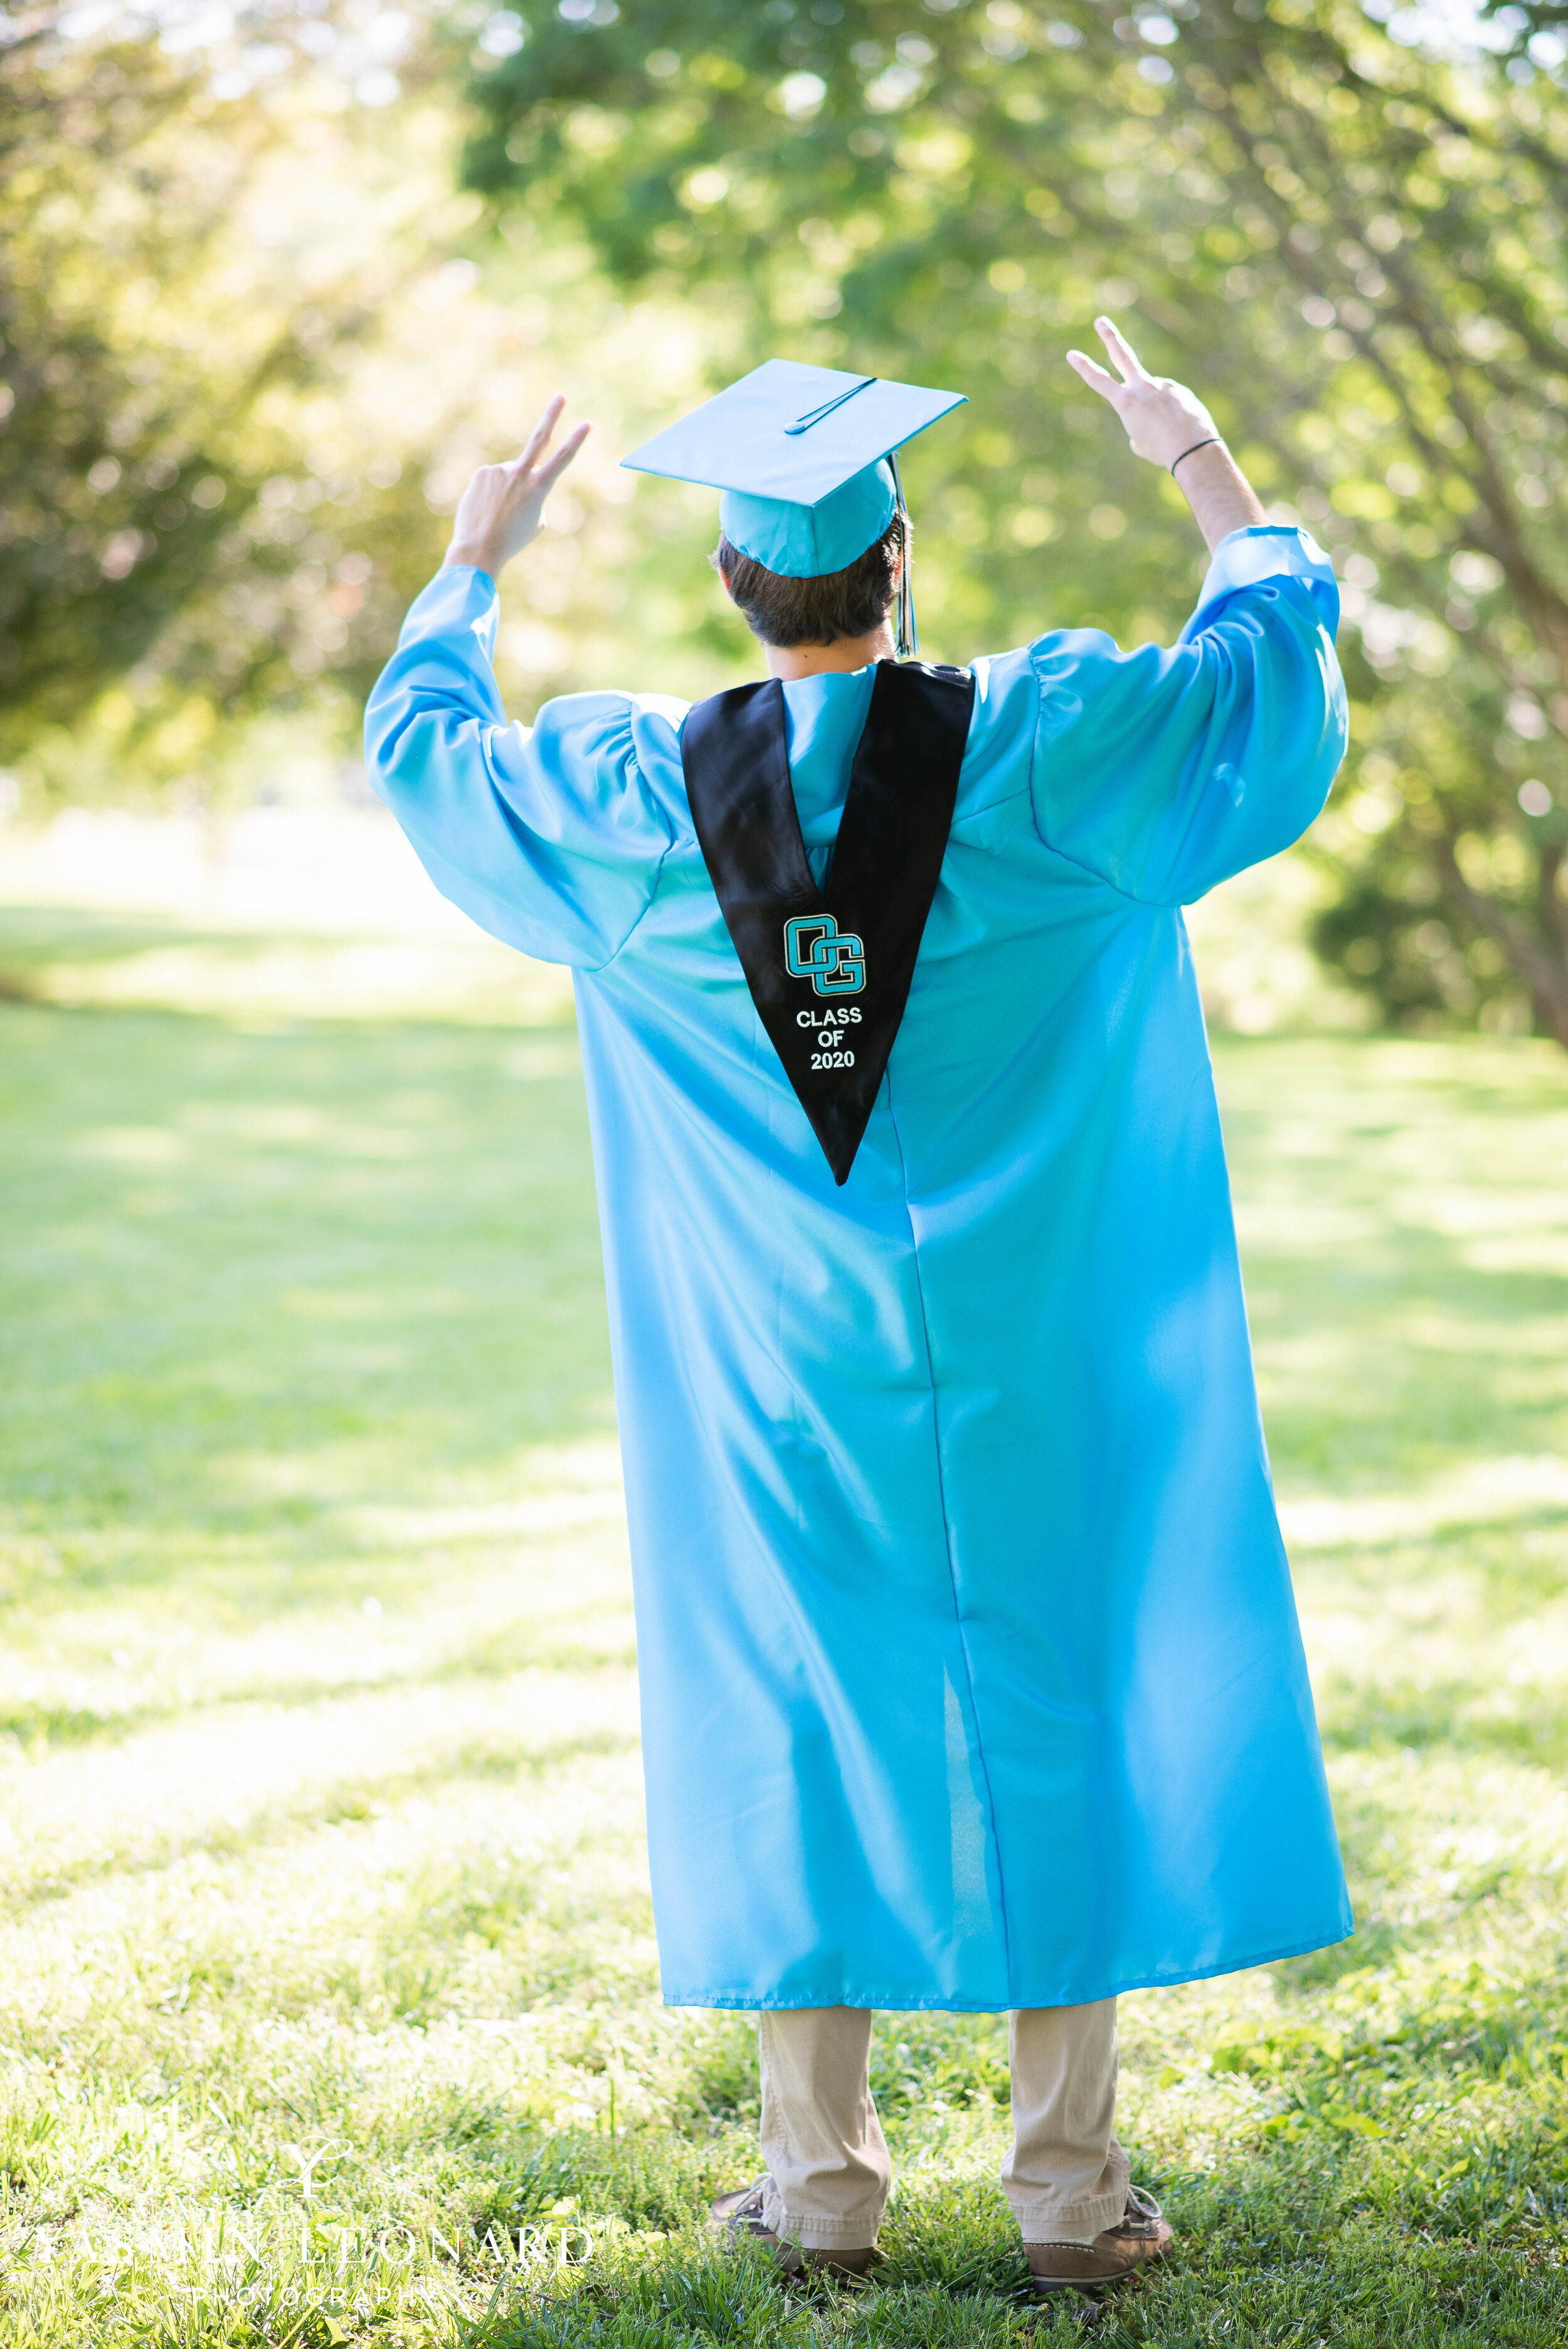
829,968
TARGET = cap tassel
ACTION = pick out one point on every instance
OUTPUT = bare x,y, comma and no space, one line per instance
908,632
829,407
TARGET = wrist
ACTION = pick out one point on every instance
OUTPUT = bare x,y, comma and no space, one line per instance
481,555
1197,446
1205,470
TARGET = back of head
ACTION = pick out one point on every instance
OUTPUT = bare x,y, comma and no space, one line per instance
816,542
854,602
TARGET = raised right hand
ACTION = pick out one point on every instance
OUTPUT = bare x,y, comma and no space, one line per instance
1161,418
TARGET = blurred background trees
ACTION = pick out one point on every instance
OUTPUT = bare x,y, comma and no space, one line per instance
249,358
1349,232
1355,245
185,544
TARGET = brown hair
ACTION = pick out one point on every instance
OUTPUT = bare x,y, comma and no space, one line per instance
848,602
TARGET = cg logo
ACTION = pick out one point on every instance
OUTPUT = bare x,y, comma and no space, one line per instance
815,947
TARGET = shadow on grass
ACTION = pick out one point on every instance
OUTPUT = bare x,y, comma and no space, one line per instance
257,1281
32,937
1526,1725
39,1728
254,1275
343,1803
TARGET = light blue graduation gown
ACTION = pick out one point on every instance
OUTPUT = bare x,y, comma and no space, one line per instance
970,1666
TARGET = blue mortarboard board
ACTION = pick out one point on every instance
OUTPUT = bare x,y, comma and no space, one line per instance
805,458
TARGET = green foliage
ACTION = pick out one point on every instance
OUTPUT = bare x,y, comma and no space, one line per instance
187,538
328,2009
1357,250
253,342
225,456
100,424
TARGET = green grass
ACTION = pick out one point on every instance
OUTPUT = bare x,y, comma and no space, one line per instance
327,1990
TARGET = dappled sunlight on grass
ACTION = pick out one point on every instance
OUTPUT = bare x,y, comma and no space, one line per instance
259,981
329,1994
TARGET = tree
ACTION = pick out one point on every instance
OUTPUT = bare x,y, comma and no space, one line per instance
1357,246
175,554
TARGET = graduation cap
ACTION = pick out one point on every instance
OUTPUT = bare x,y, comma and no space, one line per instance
807,459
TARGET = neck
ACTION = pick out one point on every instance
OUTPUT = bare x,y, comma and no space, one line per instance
844,652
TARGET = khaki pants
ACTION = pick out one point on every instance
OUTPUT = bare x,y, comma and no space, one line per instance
829,2171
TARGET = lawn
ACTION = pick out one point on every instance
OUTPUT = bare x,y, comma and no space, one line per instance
328,2003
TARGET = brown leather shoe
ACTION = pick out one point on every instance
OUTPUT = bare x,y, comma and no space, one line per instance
740,2216
1142,2234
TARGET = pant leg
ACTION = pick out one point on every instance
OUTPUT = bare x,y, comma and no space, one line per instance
1066,2176
827,2159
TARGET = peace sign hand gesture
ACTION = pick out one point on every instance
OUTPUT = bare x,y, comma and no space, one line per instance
503,507
1162,418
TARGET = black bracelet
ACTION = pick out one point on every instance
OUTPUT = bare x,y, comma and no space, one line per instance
1211,442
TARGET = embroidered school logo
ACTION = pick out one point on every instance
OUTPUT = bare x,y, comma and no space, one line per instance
815,947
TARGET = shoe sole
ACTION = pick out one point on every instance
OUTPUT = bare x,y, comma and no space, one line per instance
1088,2287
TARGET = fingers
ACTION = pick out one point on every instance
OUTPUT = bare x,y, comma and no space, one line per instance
539,439
1094,376
563,456
1121,351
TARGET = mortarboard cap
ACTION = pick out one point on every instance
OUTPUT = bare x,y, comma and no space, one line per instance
804,456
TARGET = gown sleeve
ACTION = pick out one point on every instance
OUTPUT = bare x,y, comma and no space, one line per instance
1165,772
546,836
